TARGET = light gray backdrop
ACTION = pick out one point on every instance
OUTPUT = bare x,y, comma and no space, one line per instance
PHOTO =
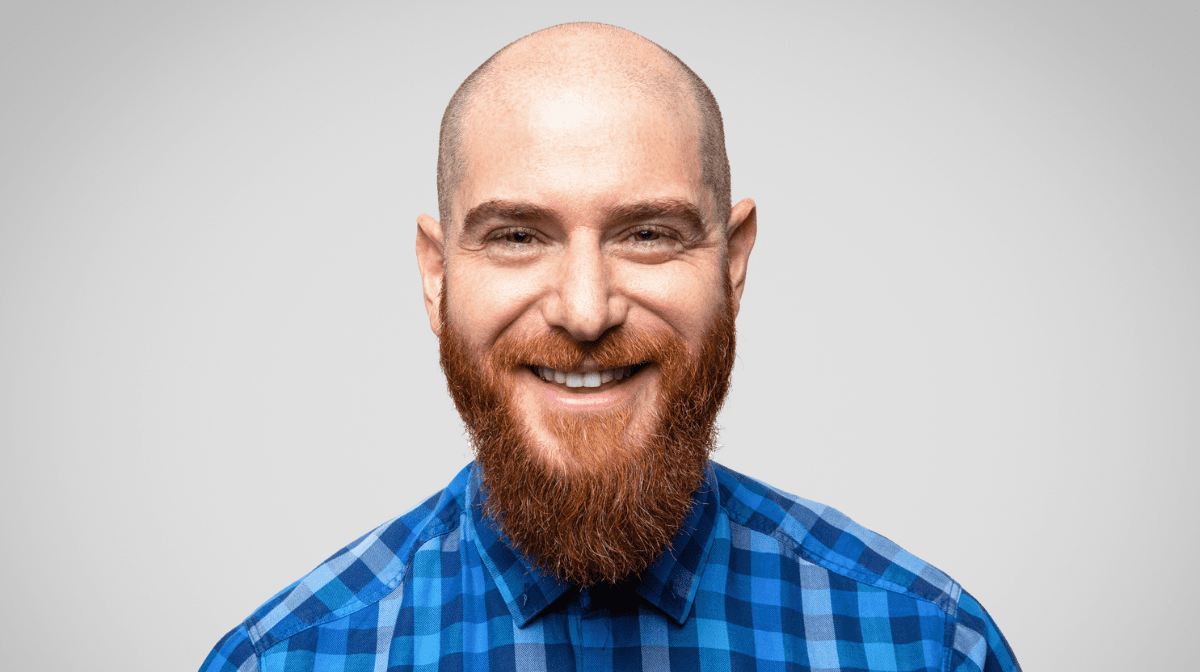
971,320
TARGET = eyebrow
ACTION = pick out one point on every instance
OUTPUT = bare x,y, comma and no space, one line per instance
518,211
629,213
663,208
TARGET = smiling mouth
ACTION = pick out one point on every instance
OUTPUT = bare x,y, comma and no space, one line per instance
574,379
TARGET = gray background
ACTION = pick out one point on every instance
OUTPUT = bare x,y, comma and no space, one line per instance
970,323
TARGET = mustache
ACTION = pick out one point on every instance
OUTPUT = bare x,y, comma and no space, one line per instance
617,347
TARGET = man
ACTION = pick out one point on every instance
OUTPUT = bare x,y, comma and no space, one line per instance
583,278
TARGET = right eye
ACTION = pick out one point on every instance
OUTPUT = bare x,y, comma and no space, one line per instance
514,244
512,237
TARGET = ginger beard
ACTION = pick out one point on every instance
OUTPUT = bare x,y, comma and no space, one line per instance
603,503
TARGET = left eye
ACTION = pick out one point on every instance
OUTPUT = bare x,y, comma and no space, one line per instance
646,234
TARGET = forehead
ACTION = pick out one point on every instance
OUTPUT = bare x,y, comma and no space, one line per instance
585,146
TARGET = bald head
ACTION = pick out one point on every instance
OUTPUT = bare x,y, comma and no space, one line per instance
606,61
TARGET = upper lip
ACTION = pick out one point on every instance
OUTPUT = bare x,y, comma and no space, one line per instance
588,367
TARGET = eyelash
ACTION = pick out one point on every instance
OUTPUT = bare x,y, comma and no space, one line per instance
658,235
506,236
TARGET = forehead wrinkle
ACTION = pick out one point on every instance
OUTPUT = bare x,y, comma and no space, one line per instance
574,97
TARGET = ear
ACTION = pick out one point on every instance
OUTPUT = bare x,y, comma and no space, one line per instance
742,230
431,262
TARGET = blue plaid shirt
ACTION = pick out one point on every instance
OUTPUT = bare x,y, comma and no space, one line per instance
755,579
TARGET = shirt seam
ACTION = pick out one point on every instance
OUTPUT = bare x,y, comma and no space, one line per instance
258,634
801,552
948,642
254,652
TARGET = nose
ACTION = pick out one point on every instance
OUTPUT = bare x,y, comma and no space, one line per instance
585,300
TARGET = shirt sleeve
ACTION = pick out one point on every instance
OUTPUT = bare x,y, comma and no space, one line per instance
978,645
234,653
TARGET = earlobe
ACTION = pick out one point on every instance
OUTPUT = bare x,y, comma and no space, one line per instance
743,229
431,262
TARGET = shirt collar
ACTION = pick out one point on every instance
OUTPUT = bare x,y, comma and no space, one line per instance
669,584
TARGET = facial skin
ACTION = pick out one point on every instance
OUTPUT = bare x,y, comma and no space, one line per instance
581,213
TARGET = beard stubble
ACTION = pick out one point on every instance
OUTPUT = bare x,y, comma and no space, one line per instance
601,505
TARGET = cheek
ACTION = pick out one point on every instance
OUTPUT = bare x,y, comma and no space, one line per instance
484,304
687,299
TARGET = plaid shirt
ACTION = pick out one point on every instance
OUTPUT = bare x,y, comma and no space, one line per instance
755,579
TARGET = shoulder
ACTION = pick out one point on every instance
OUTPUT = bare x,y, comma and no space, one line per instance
821,536
824,536
354,578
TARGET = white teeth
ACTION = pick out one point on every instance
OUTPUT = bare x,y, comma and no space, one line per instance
583,378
